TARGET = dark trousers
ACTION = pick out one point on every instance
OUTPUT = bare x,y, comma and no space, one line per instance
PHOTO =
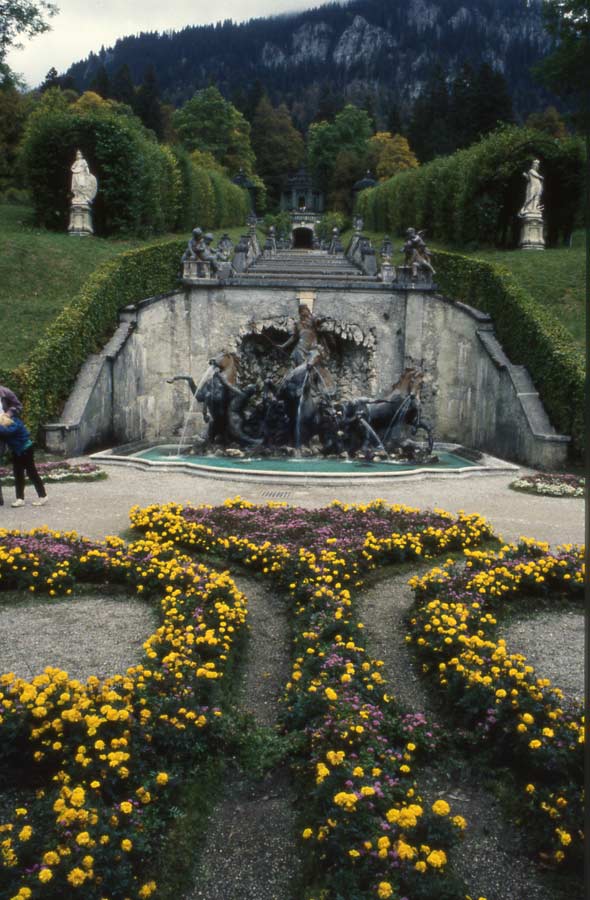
25,463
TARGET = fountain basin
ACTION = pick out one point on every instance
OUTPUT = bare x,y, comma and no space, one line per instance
165,457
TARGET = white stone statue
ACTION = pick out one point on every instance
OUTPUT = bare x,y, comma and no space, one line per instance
84,188
534,190
84,184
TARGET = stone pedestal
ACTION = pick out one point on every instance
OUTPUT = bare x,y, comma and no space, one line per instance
387,271
80,220
531,234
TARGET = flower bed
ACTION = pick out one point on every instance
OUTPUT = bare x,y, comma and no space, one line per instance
550,485
53,472
95,764
366,828
495,694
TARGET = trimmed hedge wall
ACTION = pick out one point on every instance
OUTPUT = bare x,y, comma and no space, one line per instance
45,381
530,335
474,195
144,187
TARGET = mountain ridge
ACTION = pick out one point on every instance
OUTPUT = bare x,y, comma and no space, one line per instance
385,47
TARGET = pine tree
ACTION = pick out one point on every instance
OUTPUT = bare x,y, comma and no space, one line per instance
123,89
51,80
148,106
101,83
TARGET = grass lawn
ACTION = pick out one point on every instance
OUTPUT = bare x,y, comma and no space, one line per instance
555,277
42,271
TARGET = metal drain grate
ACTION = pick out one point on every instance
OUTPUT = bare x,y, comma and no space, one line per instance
276,495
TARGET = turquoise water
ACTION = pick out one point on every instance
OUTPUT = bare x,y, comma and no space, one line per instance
447,460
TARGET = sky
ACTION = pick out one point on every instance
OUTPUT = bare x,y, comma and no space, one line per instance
84,25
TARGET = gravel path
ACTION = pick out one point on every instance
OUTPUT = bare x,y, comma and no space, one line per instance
487,858
249,852
99,508
97,635
563,633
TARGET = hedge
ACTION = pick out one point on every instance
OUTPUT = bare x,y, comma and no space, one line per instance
144,187
474,196
47,378
530,335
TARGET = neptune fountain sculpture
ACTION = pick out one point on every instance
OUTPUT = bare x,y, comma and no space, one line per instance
299,414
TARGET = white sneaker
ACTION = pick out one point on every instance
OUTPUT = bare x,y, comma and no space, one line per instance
18,503
40,501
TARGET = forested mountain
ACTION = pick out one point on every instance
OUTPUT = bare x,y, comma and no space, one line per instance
381,53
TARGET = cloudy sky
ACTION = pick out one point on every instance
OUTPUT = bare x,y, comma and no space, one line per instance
83,25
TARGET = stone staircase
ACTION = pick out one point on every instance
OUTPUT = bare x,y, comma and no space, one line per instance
306,267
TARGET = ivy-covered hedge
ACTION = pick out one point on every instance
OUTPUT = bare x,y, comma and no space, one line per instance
530,335
474,196
47,378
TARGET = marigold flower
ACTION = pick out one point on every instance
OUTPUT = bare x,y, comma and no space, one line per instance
45,875
441,808
384,890
162,778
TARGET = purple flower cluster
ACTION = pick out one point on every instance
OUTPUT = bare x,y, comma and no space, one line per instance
296,527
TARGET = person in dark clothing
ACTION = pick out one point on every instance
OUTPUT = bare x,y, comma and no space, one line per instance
10,402
14,433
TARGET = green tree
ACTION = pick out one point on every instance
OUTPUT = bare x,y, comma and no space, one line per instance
13,113
148,106
212,124
567,70
337,151
51,80
123,89
278,146
21,17
101,83
549,122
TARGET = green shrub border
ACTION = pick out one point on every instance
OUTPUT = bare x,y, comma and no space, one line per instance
45,381
530,335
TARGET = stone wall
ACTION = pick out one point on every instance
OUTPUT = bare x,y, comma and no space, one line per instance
472,394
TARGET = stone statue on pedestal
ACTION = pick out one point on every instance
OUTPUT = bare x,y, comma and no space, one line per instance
84,188
531,214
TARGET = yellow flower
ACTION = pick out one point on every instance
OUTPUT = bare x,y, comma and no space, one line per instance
437,858
126,845
331,694
77,877
45,875
307,833
162,778
126,807
459,821
51,858
147,889
404,850
25,833
384,890
441,808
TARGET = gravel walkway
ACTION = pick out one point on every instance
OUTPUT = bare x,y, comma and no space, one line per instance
487,858
553,642
250,851
99,508
97,635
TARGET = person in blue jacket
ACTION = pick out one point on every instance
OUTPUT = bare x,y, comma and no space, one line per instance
14,433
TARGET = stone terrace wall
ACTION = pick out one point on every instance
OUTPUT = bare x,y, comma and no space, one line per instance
472,395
